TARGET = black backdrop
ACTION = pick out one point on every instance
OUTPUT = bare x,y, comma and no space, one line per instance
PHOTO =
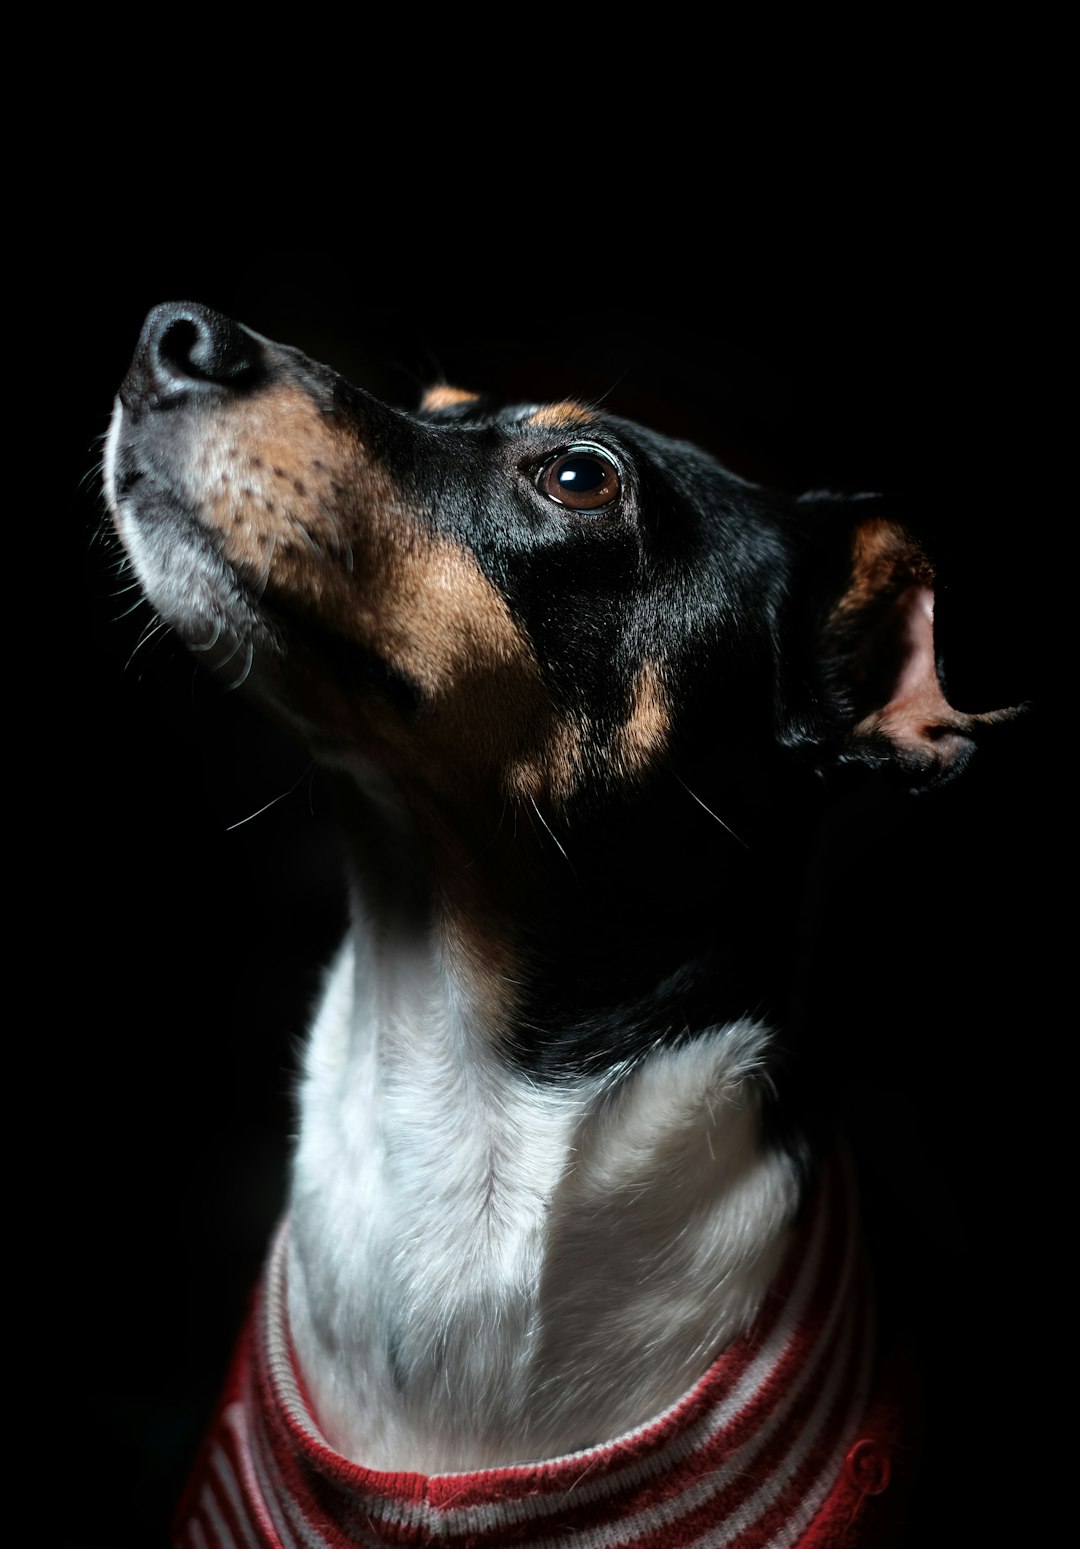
196,944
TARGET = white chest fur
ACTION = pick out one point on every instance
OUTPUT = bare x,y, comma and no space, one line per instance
486,1271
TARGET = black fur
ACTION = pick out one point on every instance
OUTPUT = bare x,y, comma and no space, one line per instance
647,907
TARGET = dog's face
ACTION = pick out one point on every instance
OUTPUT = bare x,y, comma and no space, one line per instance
503,598
527,602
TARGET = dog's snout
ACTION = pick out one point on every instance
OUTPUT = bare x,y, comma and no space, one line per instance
184,348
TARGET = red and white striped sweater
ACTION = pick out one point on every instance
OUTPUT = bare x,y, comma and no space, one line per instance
779,1444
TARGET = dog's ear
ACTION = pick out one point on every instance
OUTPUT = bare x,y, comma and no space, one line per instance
878,659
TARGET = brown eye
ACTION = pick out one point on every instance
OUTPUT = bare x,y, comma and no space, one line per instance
583,478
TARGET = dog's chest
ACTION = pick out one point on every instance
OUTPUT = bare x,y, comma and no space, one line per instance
465,1241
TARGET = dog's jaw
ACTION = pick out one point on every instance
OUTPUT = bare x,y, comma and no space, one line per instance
189,583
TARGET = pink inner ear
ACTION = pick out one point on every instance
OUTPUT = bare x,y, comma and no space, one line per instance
916,712
916,688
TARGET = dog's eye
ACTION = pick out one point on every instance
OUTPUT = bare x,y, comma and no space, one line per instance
583,478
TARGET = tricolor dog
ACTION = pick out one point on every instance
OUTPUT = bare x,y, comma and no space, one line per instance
563,1263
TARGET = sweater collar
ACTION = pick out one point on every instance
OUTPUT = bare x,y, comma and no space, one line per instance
745,1458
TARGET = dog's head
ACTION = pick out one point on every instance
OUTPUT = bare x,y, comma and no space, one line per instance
536,602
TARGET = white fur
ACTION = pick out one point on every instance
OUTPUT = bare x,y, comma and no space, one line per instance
486,1271
189,584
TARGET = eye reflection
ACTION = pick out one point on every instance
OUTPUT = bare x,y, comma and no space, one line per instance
582,478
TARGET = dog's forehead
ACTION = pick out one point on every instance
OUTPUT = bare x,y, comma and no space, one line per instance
450,405
522,434
535,420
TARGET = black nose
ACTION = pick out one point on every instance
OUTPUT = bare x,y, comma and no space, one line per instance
185,347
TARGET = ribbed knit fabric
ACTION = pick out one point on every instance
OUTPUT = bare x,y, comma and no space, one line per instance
779,1444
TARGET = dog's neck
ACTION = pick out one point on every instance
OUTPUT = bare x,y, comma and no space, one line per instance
486,1267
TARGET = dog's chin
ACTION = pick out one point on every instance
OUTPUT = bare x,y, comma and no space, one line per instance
214,610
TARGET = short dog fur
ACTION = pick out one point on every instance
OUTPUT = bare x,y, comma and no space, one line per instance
582,693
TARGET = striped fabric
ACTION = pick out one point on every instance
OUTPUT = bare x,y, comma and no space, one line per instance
778,1444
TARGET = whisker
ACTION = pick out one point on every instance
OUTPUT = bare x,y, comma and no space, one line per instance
308,539
156,626
139,600
558,846
712,814
259,588
272,803
212,642
250,658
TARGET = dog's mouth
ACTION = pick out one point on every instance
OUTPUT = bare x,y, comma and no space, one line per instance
225,608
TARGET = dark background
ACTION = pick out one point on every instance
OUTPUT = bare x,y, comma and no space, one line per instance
901,357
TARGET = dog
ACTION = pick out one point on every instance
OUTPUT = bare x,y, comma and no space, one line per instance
565,1259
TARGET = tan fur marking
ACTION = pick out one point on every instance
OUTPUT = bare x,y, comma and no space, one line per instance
481,958
883,558
444,397
644,736
559,416
245,477
553,772
437,617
